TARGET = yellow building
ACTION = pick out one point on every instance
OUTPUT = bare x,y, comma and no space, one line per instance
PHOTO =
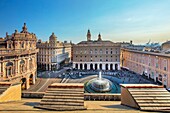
53,54
18,55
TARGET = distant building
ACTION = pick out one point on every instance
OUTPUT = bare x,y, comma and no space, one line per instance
166,46
53,54
96,55
18,57
153,64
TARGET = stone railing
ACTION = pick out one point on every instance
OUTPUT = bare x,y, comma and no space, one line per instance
17,52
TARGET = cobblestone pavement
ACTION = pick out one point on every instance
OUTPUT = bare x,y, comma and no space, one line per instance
26,106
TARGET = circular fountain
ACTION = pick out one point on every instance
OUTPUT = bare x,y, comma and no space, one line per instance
100,85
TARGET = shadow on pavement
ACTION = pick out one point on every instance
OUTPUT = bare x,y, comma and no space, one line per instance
118,107
31,103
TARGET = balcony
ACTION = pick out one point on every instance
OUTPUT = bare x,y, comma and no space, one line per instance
17,52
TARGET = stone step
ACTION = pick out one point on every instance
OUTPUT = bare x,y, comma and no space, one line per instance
70,95
155,98
148,93
63,100
62,97
151,100
155,108
64,108
66,92
4,87
153,105
62,103
64,89
151,95
147,89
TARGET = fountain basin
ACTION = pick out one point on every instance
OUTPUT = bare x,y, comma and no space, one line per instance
100,85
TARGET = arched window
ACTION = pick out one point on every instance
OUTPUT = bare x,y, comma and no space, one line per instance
30,64
9,69
22,66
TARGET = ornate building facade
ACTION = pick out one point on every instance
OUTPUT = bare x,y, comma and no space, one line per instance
53,54
153,64
96,55
18,57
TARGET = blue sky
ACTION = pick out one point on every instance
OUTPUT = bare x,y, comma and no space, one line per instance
116,20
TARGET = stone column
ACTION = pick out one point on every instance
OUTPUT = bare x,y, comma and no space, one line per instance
33,79
113,66
104,66
78,65
83,66
27,64
27,83
108,66
88,66
49,66
74,66
98,66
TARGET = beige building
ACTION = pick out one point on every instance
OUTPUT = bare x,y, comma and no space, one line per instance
53,54
96,54
153,64
18,57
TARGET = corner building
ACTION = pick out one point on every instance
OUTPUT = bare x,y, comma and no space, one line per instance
96,54
18,57
53,54
154,65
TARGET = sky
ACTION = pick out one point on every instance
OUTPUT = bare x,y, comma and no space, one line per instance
116,20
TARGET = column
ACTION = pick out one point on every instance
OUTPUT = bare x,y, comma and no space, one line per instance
118,66
49,66
98,66
113,66
108,66
27,83
78,65
88,66
83,65
33,79
74,66
103,66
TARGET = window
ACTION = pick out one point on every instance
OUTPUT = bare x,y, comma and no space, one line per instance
9,45
100,51
22,45
110,52
91,51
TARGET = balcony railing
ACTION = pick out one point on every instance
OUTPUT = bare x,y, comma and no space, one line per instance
16,52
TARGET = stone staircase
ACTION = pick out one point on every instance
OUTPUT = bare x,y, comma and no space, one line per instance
10,91
150,98
63,96
4,87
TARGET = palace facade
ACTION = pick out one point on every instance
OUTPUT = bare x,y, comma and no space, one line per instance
154,64
53,54
18,57
96,54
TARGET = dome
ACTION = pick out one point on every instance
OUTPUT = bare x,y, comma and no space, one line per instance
53,37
